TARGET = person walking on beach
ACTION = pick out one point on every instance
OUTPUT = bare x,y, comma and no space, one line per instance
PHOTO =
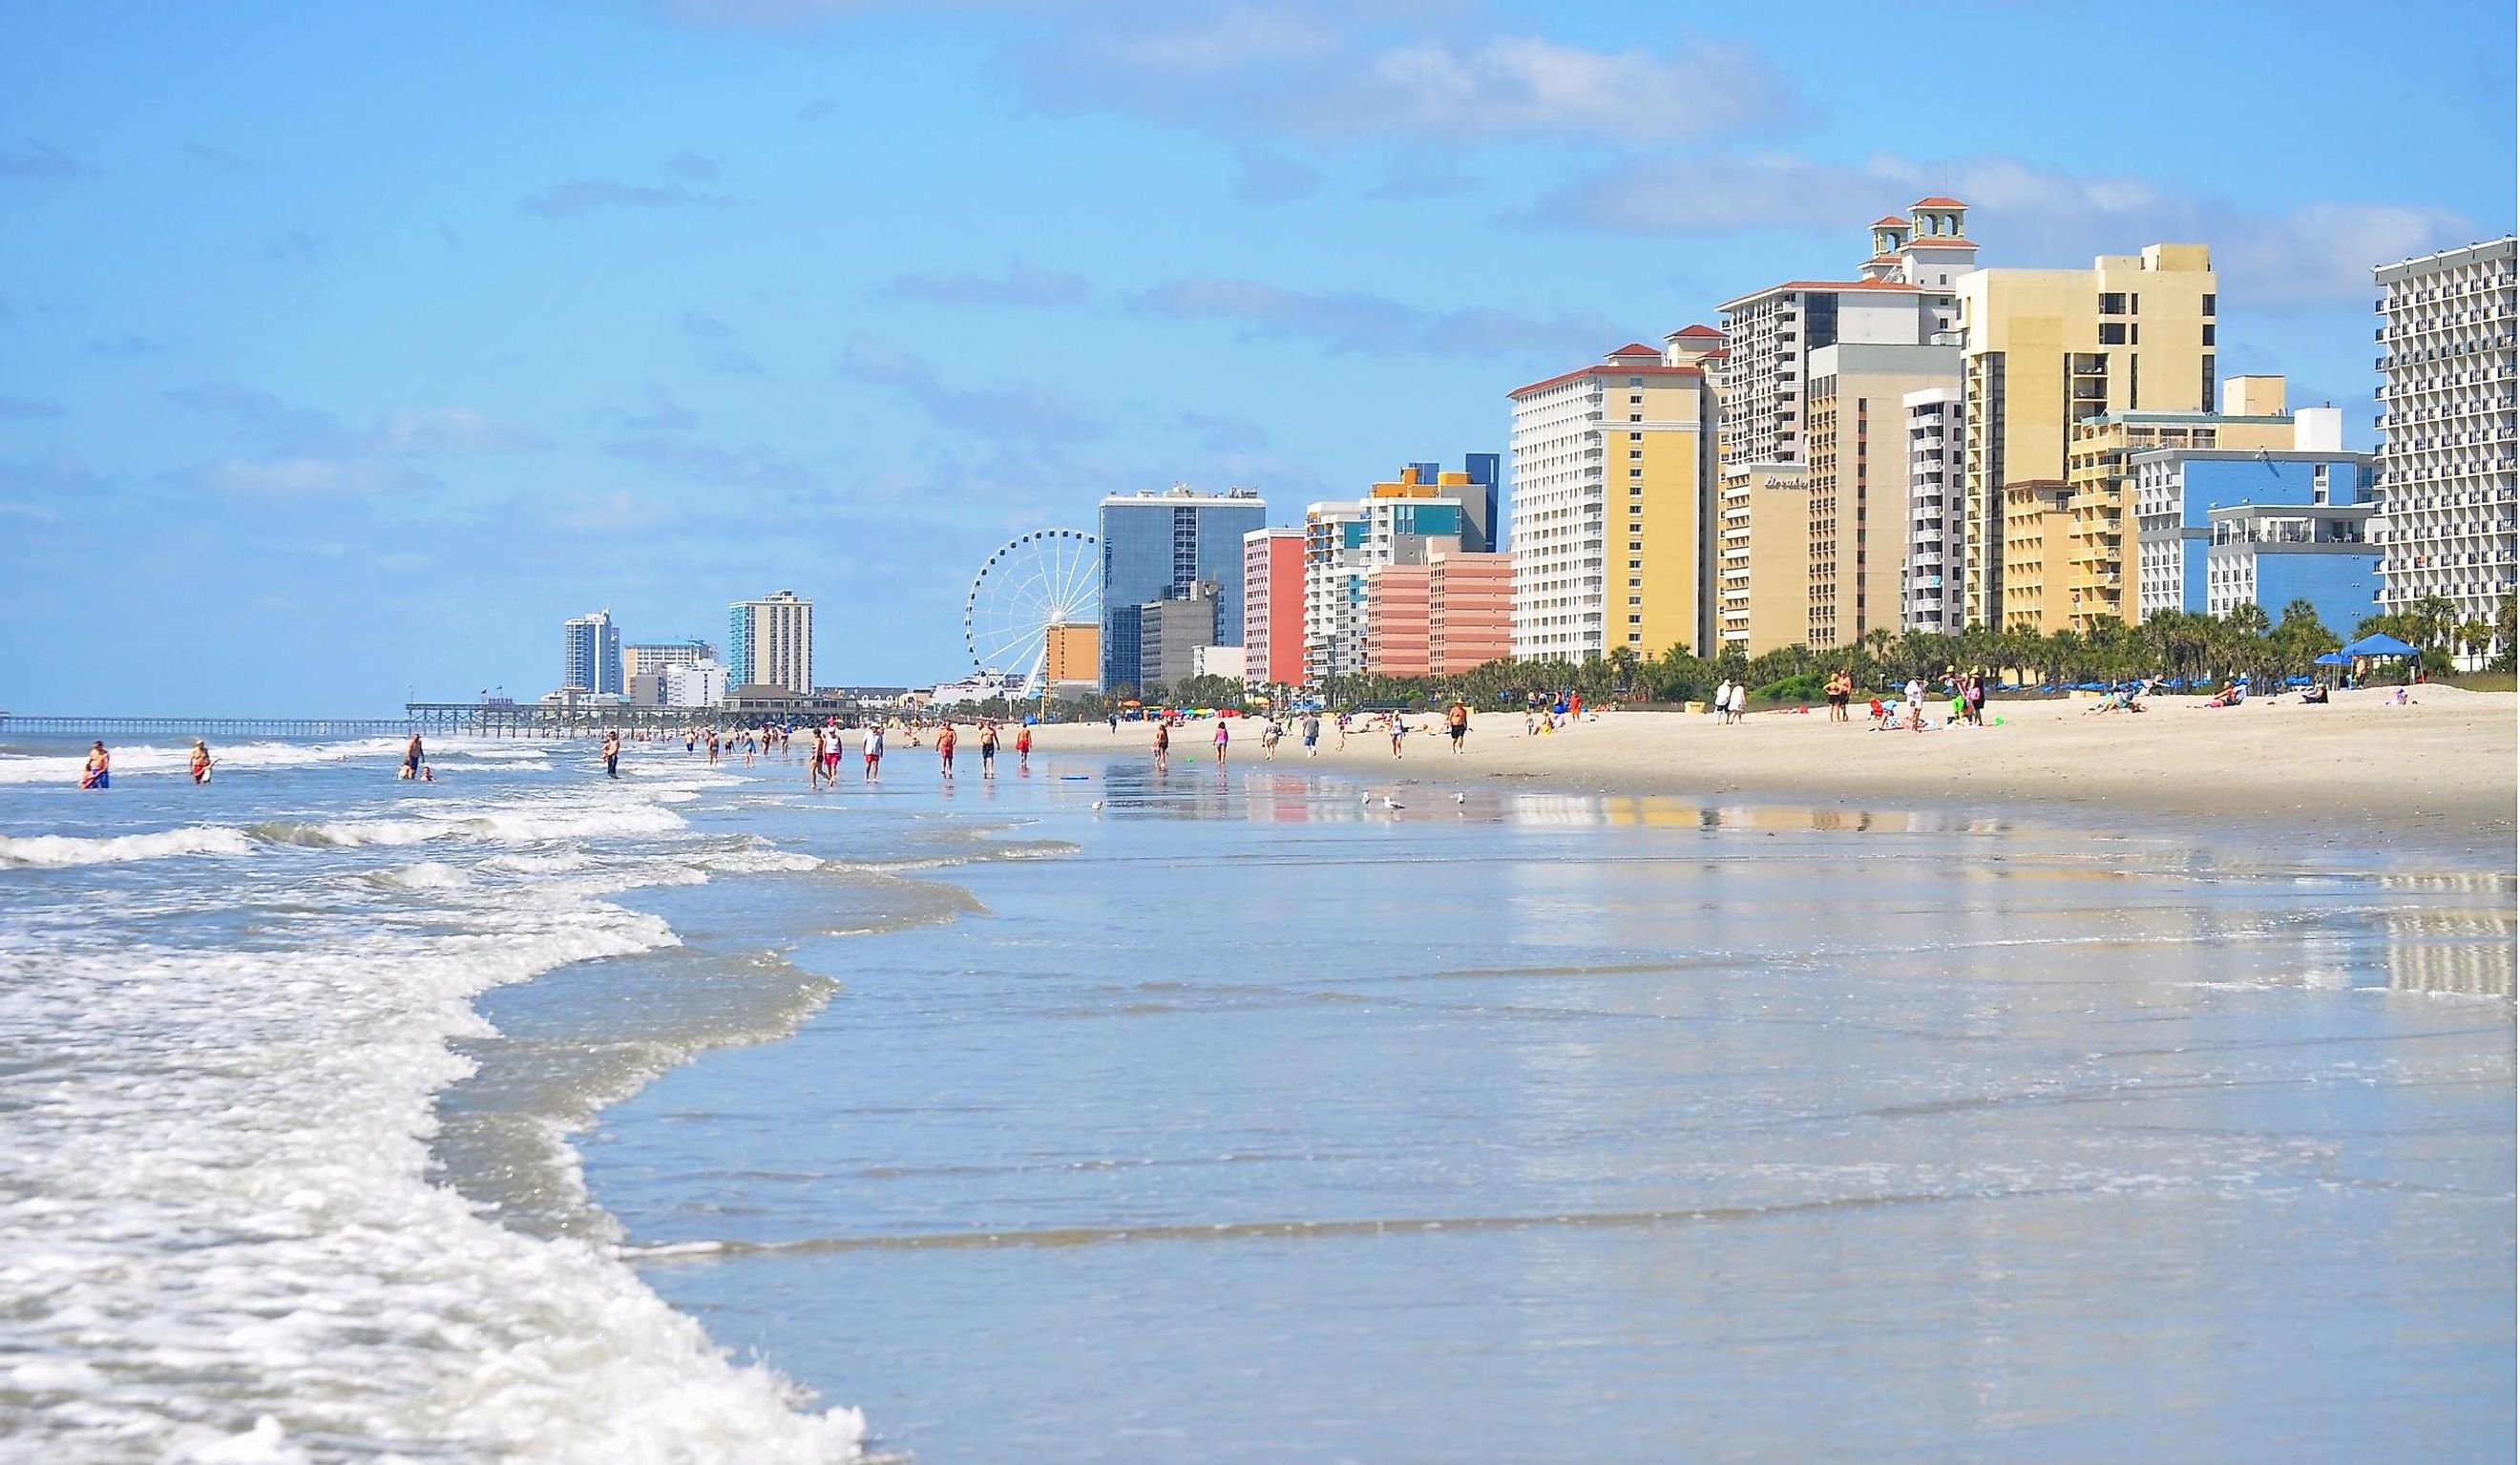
1023,749
1222,736
875,753
612,753
1915,695
815,770
98,772
1456,724
989,748
411,759
946,737
202,761
1342,732
1312,734
712,747
1399,730
1163,743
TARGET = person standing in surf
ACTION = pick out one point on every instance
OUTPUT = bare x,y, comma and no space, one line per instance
411,758
1023,749
945,742
989,748
1163,743
875,753
99,772
1221,738
202,761
612,753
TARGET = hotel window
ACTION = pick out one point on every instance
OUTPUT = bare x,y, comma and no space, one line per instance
2209,332
2113,334
1635,400
1635,472
1635,600
2113,302
1636,564
1635,455
1636,437
2208,306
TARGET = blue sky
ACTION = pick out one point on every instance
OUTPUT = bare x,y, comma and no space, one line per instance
345,350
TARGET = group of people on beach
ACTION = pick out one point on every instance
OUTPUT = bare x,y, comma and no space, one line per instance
97,772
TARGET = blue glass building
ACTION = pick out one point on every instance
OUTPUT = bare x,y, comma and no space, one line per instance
591,654
2215,527
1155,546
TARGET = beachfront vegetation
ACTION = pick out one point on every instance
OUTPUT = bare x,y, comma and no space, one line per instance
2181,645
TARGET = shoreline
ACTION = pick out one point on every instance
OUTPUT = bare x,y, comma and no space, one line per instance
2436,777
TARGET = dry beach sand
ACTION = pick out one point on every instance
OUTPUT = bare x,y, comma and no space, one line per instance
2437,772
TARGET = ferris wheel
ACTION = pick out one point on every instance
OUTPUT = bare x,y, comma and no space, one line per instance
1033,585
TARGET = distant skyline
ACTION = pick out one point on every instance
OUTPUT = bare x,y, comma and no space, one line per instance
344,354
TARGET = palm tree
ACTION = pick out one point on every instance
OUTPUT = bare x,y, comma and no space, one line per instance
2475,638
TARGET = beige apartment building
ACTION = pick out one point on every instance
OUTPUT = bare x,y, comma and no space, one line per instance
1857,525
1762,563
2043,350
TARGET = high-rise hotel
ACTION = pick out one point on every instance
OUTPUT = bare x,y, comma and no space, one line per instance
1613,504
1176,544
2448,426
770,643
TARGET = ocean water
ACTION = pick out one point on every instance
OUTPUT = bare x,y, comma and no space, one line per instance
1246,1116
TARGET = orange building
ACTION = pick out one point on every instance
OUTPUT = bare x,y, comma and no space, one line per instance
1396,619
1469,612
1075,654
1273,607
1440,618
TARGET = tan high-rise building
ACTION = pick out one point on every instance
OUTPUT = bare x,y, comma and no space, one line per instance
1858,528
2046,349
1763,558
1812,372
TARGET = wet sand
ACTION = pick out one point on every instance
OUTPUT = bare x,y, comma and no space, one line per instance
2439,772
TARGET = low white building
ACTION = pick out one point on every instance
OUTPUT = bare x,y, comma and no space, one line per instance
1217,661
700,684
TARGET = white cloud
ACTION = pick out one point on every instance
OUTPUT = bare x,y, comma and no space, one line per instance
2020,214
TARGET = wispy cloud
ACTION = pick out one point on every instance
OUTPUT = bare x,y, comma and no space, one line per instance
2020,214
701,325
1019,413
296,246
582,195
707,463
1341,68
310,477
693,167
1329,72
23,408
1272,178
1022,285
212,155
39,159
308,435
125,344
1348,321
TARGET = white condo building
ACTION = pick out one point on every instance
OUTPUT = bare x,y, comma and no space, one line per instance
1930,564
2449,425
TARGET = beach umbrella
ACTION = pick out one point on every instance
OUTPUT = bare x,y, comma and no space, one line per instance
2379,644
2335,658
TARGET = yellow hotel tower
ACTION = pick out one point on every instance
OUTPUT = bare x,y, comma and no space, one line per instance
2043,350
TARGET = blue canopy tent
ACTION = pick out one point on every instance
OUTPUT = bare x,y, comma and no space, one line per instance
2335,658
2379,644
